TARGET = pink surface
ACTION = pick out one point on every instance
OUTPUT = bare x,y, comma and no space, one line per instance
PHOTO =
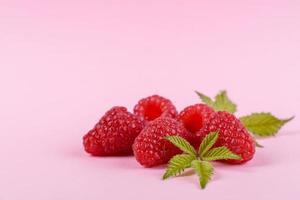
62,64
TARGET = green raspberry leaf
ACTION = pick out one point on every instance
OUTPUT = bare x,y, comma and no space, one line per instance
221,102
205,99
208,142
177,165
182,144
258,144
263,124
220,153
204,171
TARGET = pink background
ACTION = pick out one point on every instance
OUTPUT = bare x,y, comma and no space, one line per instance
64,63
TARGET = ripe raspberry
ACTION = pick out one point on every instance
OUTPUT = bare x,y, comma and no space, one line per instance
193,118
232,134
155,106
150,148
114,134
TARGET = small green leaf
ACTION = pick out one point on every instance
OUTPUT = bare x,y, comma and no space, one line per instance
205,99
177,165
221,102
204,171
208,142
263,124
258,145
220,153
182,144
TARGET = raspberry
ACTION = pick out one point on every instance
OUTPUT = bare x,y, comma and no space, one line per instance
155,106
193,118
114,134
232,134
150,148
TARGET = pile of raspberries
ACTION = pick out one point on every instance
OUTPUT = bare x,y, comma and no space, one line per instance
120,132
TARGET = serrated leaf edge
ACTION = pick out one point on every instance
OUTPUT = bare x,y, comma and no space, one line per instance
278,124
204,174
220,99
208,142
177,166
220,153
182,144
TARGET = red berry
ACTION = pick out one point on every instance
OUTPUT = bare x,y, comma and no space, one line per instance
193,118
155,106
151,148
232,134
114,134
